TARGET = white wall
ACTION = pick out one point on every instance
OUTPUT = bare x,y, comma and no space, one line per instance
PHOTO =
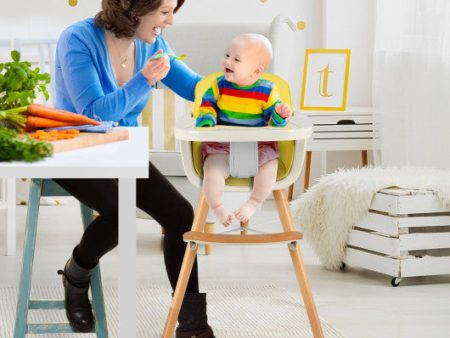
309,11
47,18
351,24
329,23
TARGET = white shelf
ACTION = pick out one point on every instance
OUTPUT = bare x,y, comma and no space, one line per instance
351,129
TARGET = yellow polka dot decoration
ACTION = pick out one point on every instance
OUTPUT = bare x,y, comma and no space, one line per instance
73,3
301,25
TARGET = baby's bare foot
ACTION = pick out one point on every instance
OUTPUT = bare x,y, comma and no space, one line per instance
223,215
247,210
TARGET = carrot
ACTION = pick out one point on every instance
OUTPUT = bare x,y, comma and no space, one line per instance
54,135
47,112
35,122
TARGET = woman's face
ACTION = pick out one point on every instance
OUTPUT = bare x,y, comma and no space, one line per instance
152,23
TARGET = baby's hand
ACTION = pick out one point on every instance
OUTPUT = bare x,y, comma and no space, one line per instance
283,110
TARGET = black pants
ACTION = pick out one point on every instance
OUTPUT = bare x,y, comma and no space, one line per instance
154,195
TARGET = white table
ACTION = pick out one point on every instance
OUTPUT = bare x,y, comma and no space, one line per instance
125,160
347,130
8,206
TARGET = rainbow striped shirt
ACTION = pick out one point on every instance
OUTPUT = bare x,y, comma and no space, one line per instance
227,103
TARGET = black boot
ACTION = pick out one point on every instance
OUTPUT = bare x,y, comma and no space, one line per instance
193,321
76,301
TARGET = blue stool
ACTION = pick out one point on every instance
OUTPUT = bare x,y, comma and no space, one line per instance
47,187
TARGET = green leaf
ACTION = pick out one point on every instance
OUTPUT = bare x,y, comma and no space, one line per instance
22,80
14,148
15,55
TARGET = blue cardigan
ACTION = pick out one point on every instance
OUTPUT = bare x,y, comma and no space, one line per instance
85,82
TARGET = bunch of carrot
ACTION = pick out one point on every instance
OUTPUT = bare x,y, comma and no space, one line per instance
40,116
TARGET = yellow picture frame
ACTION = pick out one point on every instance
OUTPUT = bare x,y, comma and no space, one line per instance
325,79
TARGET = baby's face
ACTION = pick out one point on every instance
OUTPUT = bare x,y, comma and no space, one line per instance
240,64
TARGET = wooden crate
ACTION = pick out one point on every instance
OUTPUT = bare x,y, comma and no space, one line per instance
405,234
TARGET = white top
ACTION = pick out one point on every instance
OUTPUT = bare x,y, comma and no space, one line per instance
122,159
350,110
297,128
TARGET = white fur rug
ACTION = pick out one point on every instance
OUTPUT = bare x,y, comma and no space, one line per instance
332,207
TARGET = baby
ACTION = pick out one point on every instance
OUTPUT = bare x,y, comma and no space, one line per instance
241,97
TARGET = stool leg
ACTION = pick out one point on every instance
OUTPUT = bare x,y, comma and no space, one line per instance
307,170
297,260
98,302
186,268
20,327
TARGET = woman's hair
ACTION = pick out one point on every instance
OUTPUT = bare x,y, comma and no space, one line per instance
122,17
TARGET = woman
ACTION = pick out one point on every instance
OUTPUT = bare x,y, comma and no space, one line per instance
105,70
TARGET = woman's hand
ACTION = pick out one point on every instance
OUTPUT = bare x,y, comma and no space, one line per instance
283,110
156,70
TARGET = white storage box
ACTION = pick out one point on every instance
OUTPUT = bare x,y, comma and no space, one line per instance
406,234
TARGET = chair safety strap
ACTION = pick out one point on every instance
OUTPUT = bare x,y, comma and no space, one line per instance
243,159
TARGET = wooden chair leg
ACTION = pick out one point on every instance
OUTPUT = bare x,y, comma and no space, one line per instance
297,261
209,229
307,170
305,289
364,158
186,268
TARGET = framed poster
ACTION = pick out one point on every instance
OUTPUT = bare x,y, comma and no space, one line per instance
325,79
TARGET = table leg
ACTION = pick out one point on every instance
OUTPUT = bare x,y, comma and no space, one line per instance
10,247
290,192
127,258
307,170
364,158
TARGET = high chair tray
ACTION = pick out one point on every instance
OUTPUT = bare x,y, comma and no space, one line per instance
298,127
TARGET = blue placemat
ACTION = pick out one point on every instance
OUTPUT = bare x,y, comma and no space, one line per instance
105,127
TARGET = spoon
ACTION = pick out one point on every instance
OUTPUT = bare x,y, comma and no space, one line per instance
171,55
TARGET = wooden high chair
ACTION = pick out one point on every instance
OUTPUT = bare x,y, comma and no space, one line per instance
291,143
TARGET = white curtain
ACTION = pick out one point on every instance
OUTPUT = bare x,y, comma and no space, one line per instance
411,92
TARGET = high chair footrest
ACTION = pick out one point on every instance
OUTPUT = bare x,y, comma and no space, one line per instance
282,237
